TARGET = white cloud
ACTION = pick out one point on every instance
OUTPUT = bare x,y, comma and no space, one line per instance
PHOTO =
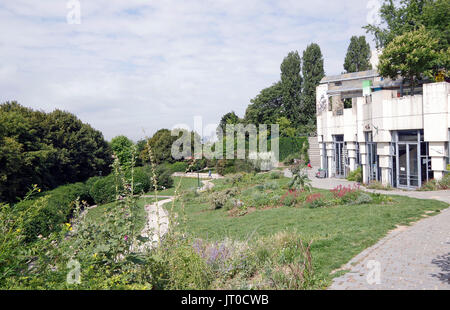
151,64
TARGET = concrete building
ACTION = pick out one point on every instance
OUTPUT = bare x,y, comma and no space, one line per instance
397,139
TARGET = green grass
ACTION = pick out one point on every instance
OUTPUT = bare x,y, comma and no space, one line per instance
95,214
339,233
186,183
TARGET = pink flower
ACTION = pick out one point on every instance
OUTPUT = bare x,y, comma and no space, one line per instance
126,238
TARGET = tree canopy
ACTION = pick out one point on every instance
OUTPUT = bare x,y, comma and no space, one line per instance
122,148
412,56
48,149
358,55
404,16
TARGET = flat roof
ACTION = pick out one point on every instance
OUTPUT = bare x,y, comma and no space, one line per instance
350,76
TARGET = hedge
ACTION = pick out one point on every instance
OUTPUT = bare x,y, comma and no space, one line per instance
289,146
57,210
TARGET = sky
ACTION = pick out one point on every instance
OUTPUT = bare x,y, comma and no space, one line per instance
137,66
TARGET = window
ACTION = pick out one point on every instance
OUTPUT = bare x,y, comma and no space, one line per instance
408,136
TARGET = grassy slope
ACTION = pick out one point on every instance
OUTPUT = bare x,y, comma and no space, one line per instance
186,183
96,213
339,232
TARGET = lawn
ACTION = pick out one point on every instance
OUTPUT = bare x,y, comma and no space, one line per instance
339,232
186,184
95,214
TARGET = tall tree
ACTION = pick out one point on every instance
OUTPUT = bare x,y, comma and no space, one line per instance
291,84
358,55
404,16
313,72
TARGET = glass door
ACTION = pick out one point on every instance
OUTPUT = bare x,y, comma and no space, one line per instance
408,165
402,165
339,159
413,166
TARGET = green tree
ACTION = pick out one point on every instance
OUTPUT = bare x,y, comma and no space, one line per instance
291,85
405,16
358,55
161,145
48,149
313,72
286,130
229,118
266,107
412,55
122,148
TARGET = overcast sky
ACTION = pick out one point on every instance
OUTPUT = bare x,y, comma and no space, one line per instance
149,64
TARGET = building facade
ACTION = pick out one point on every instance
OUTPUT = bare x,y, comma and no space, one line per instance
366,121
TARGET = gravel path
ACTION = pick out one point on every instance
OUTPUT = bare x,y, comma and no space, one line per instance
415,257
158,218
157,223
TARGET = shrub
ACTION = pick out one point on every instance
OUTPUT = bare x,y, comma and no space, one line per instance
289,198
356,176
104,190
346,194
431,185
219,199
199,165
275,175
315,201
259,199
444,183
179,166
298,145
272,185
363,198
229,166
235,178
163,177
90,182
290,159
186,269
57,209
378,185
142,180
300,180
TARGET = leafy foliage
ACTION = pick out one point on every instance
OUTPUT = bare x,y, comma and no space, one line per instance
300,180
408,15
291,85
313,72
122,148
413,55
358,55
48,149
